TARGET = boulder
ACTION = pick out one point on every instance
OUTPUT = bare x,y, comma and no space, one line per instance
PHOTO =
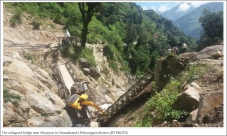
9,105
195,86
207,52
43,73
84,63
118,85
22,68
108,99
6,78
43,80
40,104
101,89
61,120
16,86
35,121
94,124
86,71
7,53
17,56
13,119
7,61
55,99
10,117
24,106
32,113
192,116
188,100
217,55
208,103
15,92
93,80
95,73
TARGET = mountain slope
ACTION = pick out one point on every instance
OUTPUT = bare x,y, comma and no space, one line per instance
189,23
146,34
174,14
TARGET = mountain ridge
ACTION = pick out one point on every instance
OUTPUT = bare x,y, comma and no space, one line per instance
170,14
189,23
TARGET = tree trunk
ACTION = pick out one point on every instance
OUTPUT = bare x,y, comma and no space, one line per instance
84,35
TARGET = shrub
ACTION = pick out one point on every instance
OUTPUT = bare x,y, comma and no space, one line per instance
75,52
108,52
29,56
7,95
67,51
44,114
16,18
60,19
87,53
113,65
36,24
92,39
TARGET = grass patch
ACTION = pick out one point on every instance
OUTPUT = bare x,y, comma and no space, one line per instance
7,95
162,102
44,114
76,52
29,56
114,56
109,52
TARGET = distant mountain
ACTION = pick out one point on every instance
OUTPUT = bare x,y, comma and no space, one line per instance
189,23
174,13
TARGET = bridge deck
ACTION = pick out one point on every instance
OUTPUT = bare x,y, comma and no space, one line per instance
66,77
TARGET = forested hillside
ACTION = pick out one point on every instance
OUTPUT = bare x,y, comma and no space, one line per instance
190,24
133,37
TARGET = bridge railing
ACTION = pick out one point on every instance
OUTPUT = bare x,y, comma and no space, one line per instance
63,92
128,96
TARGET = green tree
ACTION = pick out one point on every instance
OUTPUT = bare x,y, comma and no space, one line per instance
153,60
130,36
212,23
142,40
87,10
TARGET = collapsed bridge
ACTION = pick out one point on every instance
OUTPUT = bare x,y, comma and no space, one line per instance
65,77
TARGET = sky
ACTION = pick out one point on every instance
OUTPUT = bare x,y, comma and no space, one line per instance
164,6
